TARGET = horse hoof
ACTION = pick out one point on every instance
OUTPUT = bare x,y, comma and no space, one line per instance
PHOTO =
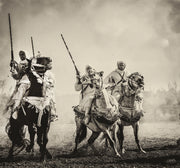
42,159
74,152
44,162
123,151
10,158
119,156
143,151
49,156
28,149
32,154
96,152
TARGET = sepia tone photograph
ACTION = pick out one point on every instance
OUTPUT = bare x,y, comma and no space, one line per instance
90,83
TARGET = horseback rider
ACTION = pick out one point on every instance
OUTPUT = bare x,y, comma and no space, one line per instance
48,88
20,74
87,86
48,82
116,77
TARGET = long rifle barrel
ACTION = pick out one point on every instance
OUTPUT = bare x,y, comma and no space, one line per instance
11,41
32,44
77,72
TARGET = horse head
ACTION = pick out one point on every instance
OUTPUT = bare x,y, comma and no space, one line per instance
129,90
136,81
97,80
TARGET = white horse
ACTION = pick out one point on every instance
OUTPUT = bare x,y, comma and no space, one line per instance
102,119
129,97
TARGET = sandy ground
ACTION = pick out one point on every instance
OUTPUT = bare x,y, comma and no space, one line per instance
158,139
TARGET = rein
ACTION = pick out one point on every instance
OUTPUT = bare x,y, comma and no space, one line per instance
130,89
130,86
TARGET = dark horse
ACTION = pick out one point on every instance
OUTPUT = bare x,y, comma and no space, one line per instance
28,115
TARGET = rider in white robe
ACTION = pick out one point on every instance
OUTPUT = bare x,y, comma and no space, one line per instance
19,73
89,85
115,78
88,90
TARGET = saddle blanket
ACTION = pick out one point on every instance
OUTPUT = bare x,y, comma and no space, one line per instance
104,114
130,114
39,103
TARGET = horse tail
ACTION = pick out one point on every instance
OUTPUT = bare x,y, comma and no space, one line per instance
83,133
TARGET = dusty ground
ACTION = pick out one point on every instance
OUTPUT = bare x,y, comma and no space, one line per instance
158,139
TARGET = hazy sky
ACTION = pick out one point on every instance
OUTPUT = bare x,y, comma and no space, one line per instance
143,33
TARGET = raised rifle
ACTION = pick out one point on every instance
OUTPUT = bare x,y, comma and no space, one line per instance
12,53
77,71
32,44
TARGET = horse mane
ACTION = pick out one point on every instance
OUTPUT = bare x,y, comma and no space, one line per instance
135,73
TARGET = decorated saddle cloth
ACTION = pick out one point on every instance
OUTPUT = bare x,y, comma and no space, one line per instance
40,103
99,109
130,103
131,114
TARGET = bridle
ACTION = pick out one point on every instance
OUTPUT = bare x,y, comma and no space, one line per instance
131,88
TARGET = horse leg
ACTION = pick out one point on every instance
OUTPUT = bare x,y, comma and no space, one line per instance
40,142
45,141
91,140
136,129
103,137
81,132
32,133
120,136
16,135
10,154
112,131
112,143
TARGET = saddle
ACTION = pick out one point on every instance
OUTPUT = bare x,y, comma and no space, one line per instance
99,112
98,116
130,115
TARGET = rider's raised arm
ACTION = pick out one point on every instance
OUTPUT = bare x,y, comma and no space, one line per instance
17,71
78,84
16,75
82,82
